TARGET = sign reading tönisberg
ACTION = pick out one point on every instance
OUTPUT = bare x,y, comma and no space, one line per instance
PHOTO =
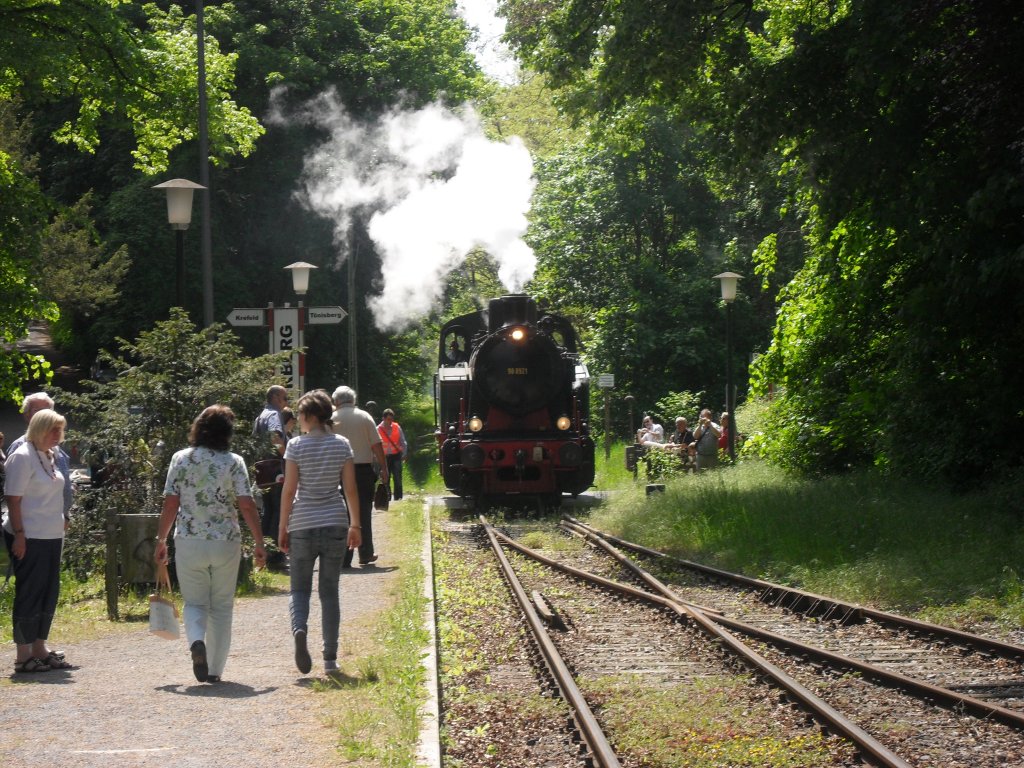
325,315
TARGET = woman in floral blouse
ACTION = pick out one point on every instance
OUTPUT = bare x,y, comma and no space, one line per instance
206,487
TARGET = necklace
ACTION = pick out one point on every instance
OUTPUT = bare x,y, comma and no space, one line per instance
52,469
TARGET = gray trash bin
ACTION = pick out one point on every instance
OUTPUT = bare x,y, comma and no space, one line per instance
137,539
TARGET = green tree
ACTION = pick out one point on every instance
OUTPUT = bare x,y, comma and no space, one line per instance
890,134
529,109
110,59
80,275
23,211
627,239
128,428
81,69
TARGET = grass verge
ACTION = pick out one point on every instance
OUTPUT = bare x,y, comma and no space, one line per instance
375,703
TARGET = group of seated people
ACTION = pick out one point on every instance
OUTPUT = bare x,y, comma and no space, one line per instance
699,446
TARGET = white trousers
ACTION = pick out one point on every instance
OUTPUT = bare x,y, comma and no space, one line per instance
208,574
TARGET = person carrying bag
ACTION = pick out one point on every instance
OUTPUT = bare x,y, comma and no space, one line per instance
381,497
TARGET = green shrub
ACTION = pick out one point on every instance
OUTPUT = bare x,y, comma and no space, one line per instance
131,426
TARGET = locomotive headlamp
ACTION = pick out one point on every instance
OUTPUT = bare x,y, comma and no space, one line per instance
476,424
563,423
518,334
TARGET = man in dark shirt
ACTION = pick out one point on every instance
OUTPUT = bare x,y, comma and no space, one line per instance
268,425
683,435
682,440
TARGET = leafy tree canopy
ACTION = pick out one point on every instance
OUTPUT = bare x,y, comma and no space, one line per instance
628,236
90,65
891,136
109,57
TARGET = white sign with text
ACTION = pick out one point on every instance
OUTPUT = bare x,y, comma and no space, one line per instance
285,337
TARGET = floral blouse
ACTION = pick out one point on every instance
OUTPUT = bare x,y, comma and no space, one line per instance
207,482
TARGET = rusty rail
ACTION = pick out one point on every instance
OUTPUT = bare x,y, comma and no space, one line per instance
600,748
818,605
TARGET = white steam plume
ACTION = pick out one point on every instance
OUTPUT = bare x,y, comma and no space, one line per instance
432,188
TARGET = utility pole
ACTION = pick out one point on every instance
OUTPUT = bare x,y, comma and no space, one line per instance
204,171
353,358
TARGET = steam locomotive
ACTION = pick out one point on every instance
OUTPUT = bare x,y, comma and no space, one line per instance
512,405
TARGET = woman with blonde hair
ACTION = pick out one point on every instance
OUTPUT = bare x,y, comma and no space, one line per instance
34,533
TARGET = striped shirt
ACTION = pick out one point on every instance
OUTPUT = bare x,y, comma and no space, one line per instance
320,458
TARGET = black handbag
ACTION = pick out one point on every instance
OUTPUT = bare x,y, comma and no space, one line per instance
381,497
269,472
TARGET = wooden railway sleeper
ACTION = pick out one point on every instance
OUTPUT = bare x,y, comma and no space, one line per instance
600,748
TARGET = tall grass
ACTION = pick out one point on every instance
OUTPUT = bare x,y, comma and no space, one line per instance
863,537
612,472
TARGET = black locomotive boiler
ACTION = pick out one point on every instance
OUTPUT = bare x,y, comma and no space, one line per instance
512,401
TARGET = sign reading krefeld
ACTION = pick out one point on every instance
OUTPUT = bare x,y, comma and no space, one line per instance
239,317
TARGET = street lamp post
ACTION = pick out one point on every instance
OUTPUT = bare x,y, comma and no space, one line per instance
204,168
728,282
300,283
179,216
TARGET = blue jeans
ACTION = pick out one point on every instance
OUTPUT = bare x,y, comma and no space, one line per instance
328,543
208,574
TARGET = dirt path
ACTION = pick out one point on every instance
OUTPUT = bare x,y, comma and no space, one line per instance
132,700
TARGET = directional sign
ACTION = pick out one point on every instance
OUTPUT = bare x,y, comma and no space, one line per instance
256,317
325,315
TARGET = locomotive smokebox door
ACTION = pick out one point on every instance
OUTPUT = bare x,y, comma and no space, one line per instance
517,309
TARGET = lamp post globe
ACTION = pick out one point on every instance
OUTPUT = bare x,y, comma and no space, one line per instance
179,216
300,276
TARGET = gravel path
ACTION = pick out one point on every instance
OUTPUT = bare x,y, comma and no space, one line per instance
132,700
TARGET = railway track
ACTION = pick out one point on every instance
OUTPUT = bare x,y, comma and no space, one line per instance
964,670
851,673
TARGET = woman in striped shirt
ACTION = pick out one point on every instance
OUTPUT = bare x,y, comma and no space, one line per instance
315,522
